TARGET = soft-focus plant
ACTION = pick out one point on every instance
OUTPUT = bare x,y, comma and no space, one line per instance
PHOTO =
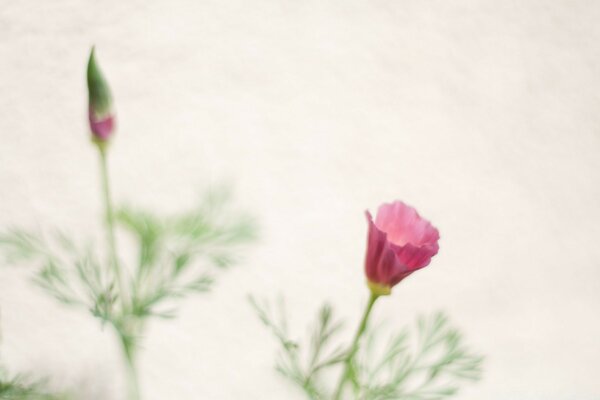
24,387
427,363
177,255
21,387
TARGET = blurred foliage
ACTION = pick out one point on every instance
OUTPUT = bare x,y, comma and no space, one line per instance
170,249
20,387
177,255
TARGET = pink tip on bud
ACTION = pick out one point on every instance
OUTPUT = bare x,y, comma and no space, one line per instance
102,129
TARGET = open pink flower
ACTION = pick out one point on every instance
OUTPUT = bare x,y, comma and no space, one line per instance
400,242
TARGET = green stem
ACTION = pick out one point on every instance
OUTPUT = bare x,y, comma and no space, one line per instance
133,391
110,224
354,347
126,341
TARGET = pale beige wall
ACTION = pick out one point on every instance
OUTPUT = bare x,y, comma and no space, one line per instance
482,114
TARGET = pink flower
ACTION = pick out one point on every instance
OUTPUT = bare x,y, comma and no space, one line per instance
400,242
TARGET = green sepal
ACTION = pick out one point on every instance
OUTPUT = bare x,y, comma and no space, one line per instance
379,289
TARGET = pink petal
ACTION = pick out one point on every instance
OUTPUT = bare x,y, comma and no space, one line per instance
404,225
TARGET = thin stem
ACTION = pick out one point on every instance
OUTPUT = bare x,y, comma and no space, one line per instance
126,341
110,224
133,391
354,347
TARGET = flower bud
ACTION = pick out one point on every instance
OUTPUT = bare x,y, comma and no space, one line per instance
399,243
101,116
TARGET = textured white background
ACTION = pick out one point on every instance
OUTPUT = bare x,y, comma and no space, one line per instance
482,114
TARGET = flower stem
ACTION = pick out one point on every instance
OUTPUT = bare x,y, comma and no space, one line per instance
126,342
133,391
110,225
354,347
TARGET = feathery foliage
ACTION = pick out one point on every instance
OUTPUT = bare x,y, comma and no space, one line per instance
430,366
427,364
303,363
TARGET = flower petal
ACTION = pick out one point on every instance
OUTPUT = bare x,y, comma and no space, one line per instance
404,225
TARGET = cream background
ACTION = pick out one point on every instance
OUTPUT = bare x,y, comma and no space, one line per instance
482,114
